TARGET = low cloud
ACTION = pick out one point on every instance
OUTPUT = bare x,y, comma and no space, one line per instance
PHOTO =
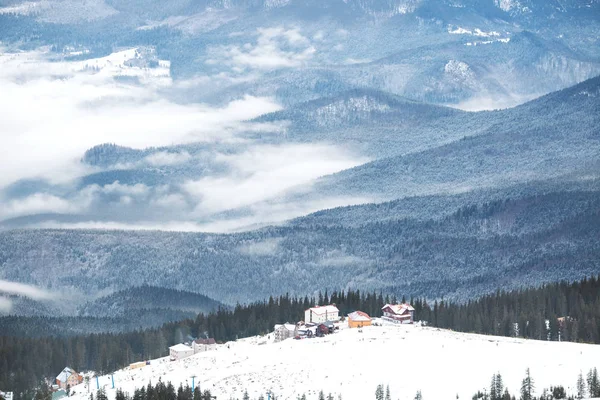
21,289
5,305
339,259
258,215
238,190
48,122
265,172
483,103
118,188
37,203
274,48
264,248
169,226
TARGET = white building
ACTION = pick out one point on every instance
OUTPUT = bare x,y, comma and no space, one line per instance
200,345
180,351
6,395
320,314
399,313
285,331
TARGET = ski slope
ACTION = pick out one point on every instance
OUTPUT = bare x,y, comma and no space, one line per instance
440,363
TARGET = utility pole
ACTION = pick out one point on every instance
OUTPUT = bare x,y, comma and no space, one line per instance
193,382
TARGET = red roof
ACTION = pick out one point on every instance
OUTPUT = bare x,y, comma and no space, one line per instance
399,309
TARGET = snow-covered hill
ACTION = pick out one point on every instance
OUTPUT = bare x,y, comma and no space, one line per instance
441,364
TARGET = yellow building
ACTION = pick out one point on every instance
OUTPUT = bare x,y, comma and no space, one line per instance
358,319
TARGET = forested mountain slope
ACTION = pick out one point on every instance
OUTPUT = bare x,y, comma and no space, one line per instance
507,243
548,137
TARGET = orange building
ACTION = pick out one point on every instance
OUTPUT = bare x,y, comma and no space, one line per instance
358,319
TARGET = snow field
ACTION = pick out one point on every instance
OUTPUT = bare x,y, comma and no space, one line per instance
440,363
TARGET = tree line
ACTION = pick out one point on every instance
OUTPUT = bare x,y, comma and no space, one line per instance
559,311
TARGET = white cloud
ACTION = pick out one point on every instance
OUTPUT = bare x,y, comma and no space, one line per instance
174,201
357,61
47,123
261,214
35,204
64,117
265,172
167,158
340,259
320,35
5,305
264,248
22,289
482,103
274,48
171,226
133,190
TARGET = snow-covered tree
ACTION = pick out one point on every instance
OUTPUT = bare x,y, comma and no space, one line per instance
580,386
101,395
379,392
527,386
593,383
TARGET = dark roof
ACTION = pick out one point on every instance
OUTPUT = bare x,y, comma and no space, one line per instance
205,341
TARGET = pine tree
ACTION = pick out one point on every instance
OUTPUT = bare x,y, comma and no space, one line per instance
558,392
321,394
493,394
388,396
527,387
496,387
418,396
246,396
101,395
197,393
379,392
593,383
580,386
43,393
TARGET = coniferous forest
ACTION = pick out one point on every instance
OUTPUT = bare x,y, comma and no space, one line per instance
572,312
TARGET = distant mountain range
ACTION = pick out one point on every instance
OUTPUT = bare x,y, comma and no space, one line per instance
444,51
420,147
